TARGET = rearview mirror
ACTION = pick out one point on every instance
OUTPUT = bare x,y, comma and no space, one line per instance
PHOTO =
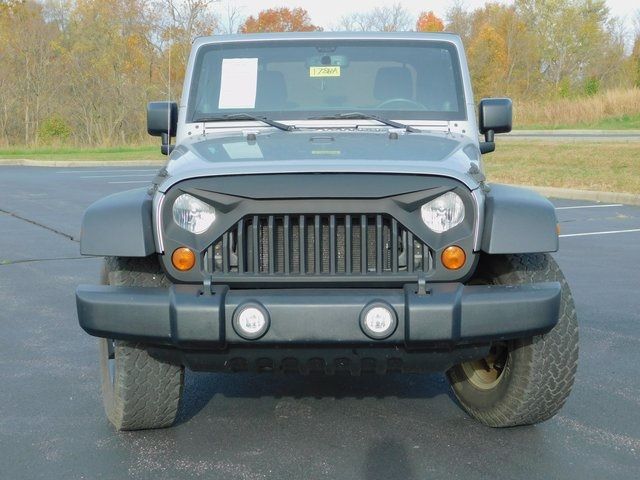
495,115
162,121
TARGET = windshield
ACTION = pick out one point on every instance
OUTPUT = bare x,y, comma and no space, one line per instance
301,79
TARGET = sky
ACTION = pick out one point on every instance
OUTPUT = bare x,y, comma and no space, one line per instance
327,13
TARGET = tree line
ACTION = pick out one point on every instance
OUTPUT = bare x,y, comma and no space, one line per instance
81,71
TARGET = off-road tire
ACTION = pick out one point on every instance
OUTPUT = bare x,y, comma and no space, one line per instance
139,392
539,371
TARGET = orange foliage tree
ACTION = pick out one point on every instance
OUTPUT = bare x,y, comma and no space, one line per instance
279,20
429,22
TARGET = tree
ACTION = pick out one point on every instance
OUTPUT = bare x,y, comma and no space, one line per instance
27,62
279,20
429,22
109,62
571,36
173,35
459,20
394,18
230,19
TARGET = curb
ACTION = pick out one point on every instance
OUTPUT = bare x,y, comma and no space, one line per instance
25,162
589,195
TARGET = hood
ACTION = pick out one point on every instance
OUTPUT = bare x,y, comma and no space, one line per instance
325,151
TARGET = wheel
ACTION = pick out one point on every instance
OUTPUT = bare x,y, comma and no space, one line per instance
523,381
138,391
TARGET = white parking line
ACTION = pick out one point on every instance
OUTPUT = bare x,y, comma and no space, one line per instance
130,181
107,171
590,206
599,233
120,176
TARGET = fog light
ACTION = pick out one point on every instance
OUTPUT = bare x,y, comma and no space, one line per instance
453,257
378,320
183,259
251,321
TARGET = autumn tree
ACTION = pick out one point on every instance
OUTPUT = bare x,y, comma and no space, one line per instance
459,20
571,36
635,54
429,22
279,20
26,78
109,60
175,25
503,57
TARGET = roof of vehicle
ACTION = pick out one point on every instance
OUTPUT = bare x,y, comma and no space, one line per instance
287,36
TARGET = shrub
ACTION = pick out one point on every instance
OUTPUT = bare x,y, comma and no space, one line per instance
54,130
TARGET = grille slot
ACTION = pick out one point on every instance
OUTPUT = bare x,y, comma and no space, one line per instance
311,245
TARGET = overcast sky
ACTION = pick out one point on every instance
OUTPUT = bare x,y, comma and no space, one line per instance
327,13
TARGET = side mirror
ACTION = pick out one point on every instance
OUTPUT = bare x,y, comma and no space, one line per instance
495,115
162,121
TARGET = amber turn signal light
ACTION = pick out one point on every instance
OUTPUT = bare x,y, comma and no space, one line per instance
453,257
183,259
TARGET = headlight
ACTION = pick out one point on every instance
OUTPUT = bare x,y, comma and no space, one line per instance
443,213
192,214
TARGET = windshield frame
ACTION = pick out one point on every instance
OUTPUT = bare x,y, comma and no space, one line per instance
292,115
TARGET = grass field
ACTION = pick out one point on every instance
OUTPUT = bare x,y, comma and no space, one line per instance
613,166
613,109
95,154
623,122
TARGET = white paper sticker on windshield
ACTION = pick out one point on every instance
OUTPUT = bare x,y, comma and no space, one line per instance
238,83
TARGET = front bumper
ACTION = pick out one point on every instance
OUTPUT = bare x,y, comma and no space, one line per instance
447,315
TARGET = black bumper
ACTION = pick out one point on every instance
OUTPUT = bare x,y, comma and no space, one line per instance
447,316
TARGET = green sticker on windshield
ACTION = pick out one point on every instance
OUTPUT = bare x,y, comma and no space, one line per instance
324,71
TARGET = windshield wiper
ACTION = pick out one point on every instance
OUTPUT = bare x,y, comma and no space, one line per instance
246,116
366,116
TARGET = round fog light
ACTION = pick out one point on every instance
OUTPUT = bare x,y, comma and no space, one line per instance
251,321
378,320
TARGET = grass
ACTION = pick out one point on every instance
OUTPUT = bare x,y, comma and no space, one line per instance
65,153
612,166
610,110
606,166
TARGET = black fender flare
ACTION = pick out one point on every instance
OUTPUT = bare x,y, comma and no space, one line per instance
120,225
518,220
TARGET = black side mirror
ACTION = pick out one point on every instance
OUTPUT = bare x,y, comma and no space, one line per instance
162,121
495,115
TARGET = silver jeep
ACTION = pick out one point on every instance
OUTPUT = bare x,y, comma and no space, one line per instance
324,210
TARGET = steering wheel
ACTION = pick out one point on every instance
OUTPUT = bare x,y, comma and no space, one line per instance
401,100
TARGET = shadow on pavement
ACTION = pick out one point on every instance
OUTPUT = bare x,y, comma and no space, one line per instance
200,388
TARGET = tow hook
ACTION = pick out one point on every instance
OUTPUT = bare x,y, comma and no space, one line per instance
422,285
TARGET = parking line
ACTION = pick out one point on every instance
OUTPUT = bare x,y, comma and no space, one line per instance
590,206
107,171
599,233
119,176
130,181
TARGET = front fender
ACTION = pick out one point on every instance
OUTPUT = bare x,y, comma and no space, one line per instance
518,220
119,225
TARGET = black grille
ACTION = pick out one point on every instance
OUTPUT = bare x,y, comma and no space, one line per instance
306,245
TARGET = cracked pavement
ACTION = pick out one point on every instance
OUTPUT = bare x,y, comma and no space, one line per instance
52,424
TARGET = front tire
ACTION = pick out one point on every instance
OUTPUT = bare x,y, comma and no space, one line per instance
523,381
139,392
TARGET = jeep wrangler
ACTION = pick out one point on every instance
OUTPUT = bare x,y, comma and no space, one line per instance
324,210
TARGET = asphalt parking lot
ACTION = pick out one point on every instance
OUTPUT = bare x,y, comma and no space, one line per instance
52,424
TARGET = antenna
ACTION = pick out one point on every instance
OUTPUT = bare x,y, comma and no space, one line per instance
171,32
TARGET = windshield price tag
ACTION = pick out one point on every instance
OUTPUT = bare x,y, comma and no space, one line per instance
331,71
